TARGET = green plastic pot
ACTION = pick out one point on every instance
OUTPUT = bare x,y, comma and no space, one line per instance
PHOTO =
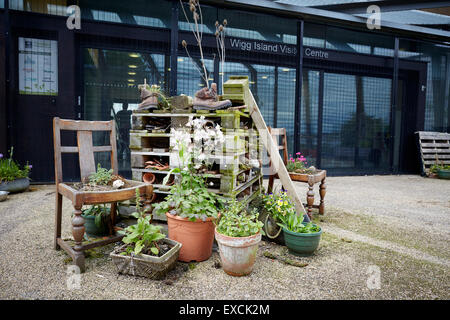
92,229
443,174
302,244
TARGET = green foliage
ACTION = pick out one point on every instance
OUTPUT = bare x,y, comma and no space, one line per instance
278,205
189,198
10,170
294,223
101,177
143,236
235,221
436,167
101,213
282,209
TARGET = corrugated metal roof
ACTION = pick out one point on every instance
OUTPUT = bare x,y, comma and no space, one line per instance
417,17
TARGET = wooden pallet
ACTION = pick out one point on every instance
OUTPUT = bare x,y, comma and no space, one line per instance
434,149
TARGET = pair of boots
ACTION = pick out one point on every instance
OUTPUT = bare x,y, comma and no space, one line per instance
207,99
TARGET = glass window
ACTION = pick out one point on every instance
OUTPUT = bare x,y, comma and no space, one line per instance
189,76
285,87
438,80
110,82
259,26
309,115
322,36
2,3
56,7
155,13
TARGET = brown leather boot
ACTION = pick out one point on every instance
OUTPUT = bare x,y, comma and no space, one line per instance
149,100
207,99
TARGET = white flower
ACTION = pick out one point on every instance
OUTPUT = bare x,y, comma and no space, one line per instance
117,184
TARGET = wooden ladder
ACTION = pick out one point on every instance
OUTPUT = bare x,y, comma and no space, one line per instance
237,89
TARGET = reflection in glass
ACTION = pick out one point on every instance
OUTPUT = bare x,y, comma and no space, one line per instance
309,116
110,92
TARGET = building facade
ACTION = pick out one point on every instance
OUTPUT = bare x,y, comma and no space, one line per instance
350,97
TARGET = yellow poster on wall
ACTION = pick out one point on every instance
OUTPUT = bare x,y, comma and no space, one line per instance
38,66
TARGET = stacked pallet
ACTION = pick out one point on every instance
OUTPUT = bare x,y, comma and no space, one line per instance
236,170
434,149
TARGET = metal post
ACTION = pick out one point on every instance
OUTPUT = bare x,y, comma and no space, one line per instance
174,48
298,88
9,112
394,106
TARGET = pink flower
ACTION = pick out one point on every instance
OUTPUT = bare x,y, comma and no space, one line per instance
298,153
1,155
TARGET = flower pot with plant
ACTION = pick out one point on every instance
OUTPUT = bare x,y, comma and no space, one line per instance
298,170
146,251
12,177
97,220
238,234
301,238
441,170
190,207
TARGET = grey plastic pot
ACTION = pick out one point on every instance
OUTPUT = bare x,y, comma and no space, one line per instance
17,185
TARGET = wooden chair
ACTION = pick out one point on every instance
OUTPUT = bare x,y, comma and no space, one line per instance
275,133
310,179
86,150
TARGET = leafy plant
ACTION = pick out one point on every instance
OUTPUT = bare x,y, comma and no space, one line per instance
294,223
436,167
101,213
235,221
143,237
282,209
101,177
278,204
10,169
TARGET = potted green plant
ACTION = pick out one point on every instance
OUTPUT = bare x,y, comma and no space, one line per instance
12,177
146,250
190,207
301,238
441,170
96,219
238,234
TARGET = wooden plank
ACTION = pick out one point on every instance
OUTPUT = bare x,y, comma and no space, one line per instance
95,149
434,135
86,153
433,156
275,158
434,151
76,125
431,162
435,145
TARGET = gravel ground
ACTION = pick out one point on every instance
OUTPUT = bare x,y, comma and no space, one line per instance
398,224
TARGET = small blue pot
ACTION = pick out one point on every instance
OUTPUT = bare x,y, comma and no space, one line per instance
17,185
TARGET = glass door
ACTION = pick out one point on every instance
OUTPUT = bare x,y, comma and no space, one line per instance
345,122
110,91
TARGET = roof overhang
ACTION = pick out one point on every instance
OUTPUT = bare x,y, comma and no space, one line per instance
326,16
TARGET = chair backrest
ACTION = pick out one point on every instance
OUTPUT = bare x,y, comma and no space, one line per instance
276,133
84,148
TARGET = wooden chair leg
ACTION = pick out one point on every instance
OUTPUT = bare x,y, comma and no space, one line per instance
323,191
58,217
78,234
310,198
113,217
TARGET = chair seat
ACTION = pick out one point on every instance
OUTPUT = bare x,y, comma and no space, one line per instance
97,197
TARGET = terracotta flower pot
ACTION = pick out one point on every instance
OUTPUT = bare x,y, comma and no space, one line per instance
238,254
148,177
196,237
